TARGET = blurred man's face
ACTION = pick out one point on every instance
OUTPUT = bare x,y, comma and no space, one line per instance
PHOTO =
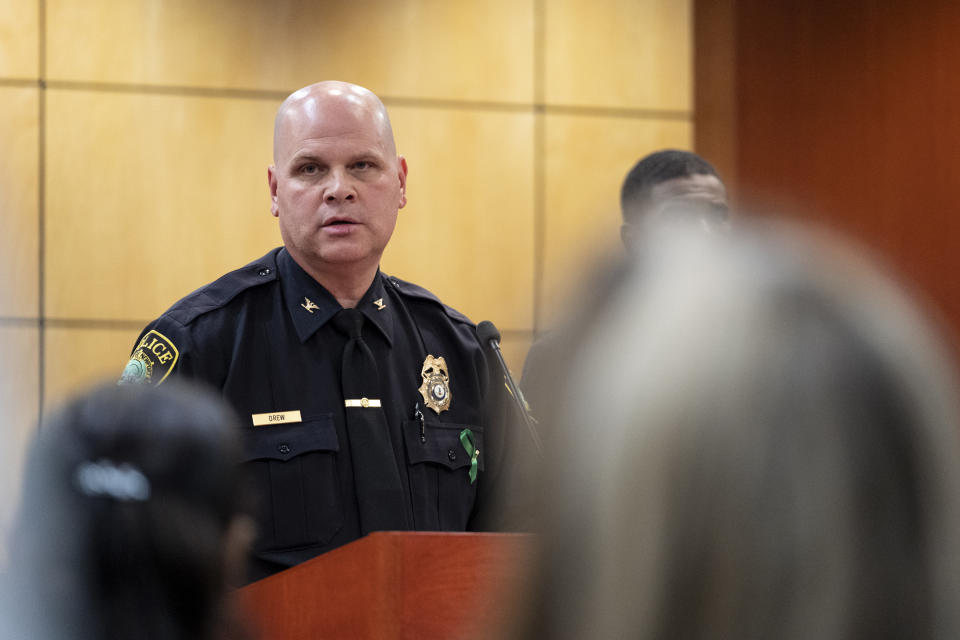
699,200
701,194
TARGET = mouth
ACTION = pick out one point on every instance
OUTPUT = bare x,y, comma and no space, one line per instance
339,223
338,227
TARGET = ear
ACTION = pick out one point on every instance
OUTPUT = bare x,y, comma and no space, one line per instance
272,181
402,174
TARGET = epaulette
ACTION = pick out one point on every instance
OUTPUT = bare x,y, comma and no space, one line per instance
415,291
224,289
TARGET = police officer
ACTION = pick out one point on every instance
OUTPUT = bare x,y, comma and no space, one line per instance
368,403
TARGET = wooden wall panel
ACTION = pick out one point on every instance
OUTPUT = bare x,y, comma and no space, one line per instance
157,121
586,161
421,48
714,82
19,397
467,230
619,53
149,197
76,358
19,38
848,114
19,225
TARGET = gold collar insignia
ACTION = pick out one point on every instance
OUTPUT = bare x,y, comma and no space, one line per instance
309,304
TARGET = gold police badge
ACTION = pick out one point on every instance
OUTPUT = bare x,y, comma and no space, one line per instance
436,384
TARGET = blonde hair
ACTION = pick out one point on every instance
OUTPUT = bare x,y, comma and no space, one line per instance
763,444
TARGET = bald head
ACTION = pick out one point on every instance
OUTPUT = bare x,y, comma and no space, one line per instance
336,184
331,105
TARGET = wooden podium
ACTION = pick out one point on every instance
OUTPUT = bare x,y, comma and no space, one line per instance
392,585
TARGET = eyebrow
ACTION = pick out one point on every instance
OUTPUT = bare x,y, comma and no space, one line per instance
368,155
363,156
305,157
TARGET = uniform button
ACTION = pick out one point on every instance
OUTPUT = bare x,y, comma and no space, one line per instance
264,271
284,449
452,454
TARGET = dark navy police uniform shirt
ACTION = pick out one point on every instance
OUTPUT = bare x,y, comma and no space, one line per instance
263,335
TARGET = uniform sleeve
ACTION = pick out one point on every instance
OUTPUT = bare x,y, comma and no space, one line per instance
501,505
167,349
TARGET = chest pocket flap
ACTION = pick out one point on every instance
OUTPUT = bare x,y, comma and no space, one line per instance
440,443
282,442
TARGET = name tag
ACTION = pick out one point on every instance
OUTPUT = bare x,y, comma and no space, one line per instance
279,417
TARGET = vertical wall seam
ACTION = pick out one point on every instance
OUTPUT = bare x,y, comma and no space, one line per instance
41,199
539,160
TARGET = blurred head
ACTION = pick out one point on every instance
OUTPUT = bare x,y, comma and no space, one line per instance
763,443
671,184
131,522
336,183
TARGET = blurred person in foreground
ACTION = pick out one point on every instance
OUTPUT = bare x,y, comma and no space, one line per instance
761,441
132,521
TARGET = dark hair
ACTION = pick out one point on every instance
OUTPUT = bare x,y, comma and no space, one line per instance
658,167
127,496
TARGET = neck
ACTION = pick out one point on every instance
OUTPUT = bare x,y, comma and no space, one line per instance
347,283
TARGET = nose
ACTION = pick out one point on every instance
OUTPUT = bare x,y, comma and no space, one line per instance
339,188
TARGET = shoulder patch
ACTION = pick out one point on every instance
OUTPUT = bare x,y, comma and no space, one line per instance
415,291
152,361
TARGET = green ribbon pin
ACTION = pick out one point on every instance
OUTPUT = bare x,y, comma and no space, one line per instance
466,439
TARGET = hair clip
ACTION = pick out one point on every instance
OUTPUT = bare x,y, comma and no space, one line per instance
104,478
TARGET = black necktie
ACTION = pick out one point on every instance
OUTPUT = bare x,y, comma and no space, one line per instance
375,472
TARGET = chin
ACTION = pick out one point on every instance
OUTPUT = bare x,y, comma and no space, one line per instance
346,255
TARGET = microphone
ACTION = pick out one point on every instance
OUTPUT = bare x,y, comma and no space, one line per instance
490,337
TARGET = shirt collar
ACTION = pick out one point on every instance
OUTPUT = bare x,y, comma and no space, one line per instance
311,306
377,308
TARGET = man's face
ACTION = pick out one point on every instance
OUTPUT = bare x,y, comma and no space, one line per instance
337,182
700,195
700,200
